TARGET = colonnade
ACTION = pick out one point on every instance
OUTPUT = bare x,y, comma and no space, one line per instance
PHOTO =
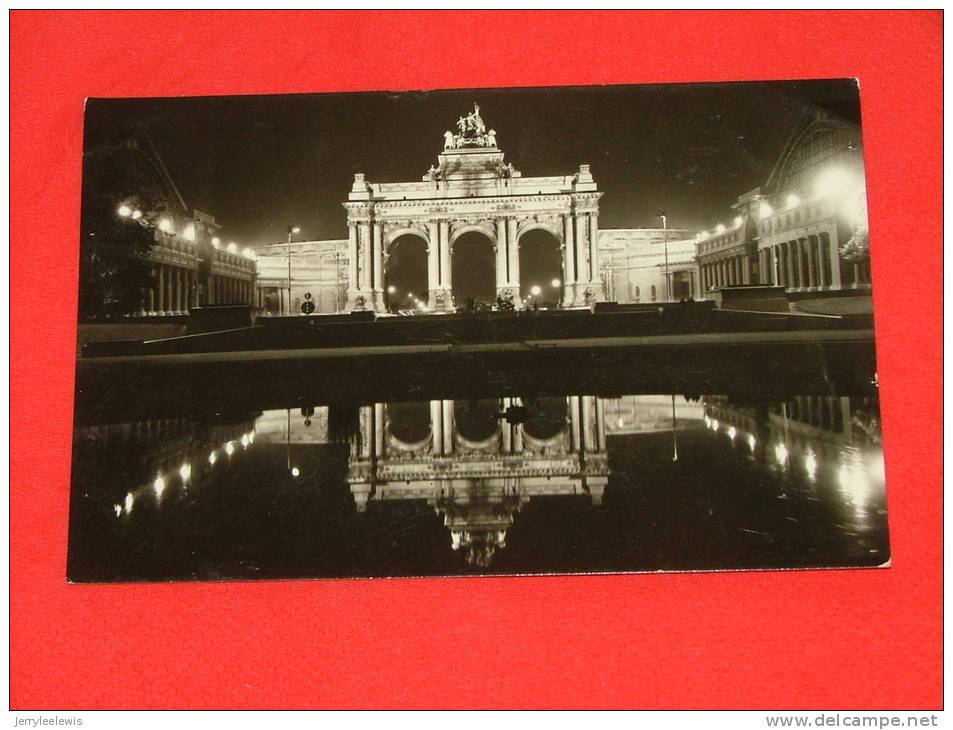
579,246
175,291
728,271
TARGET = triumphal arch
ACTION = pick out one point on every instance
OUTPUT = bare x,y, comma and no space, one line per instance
472,189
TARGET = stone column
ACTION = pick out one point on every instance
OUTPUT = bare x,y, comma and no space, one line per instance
447,427
160,305
569,261
377,257
446,280
834,258
506,431
180,290
574,425
364,239
812,262
513,252
501,261
582,259
433,262
352,263
600,416
596,274
436,427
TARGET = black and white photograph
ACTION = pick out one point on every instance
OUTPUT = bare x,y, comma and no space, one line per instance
511,331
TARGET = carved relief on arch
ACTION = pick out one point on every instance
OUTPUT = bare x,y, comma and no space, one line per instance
460,226
550,224
391,231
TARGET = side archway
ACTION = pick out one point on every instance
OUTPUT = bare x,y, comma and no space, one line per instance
405,272
473,268
541,266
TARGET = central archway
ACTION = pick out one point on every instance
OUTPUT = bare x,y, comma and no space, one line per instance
473,269
541,268
405,273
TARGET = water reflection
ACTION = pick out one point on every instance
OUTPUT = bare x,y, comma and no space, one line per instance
503,485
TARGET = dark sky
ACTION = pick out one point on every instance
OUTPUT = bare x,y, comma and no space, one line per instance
258,163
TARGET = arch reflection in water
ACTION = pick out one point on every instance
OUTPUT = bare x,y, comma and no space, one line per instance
477,469
504,484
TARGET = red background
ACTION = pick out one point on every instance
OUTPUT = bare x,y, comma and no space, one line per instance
850,639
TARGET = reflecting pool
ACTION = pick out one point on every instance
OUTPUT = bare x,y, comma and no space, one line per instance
488,485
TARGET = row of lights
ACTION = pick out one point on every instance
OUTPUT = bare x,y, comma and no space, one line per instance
851,479
165,226
833,182
160,483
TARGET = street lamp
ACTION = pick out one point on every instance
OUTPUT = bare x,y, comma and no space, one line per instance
392,289
668,280
555,283
535,290
292,229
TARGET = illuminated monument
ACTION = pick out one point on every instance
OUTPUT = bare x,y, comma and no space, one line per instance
472,190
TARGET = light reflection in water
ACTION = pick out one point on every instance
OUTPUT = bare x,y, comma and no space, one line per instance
508,479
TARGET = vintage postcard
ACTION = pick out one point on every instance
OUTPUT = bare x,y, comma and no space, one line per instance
490,331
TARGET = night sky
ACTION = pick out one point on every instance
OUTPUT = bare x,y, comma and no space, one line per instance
258,163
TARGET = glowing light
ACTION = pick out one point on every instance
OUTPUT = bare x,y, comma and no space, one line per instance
854,484
732,432
216,243
555,283
392,289
535,291
245,441
295,229
703,236
781,453
165,225
249,253
130,501
832,182
189,233
185,471
792,201
707,422
810,464
232,247
212,458
125,211
230,448
714,424
251,437
752,442
136,215
738,220
420,305
720,228
117,508
158,486
295,471
765,210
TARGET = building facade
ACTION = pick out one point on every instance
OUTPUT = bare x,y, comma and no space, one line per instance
318,268
189,265
806,229
635,262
